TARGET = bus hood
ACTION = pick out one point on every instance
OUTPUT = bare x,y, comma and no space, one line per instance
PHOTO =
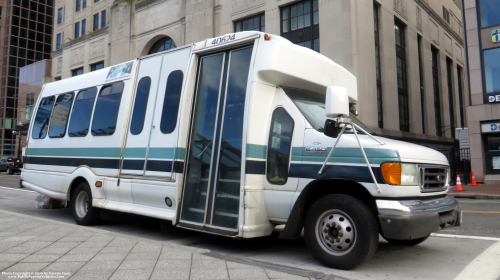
414,153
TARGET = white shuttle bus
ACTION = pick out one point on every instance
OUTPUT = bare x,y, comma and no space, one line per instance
234,136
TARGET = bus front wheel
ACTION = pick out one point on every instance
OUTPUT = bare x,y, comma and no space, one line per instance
341,231
81,206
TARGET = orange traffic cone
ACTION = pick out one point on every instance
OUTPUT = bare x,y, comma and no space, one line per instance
458,186
474,183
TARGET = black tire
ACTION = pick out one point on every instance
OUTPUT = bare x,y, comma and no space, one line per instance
80,197
352,219
407,242
9,171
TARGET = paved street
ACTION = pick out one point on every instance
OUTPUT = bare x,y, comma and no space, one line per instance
444,256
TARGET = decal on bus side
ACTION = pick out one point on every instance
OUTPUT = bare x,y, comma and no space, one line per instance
223,39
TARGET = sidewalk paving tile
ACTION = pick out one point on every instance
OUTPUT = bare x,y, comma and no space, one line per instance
129,274
85,250
273,274
12,257
81,233
76,258
208,264
146,247
63,244
238,265
27,267
64,266
120,241
171,274
101,265
247,273
4,265
175,255
42,258
74,238
92,274
138,264
173,264
215,274
117,249
109,257
95,244
153,255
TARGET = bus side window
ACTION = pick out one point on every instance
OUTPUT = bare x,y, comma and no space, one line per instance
140,105
60,115
279,146
106,109
171,102
81,113
41,124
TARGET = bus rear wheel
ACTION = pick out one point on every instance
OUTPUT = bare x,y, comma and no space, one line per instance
81,206
341,231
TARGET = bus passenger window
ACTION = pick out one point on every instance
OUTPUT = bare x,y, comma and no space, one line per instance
60,115
106,109
140,105
171,102
278,149
41,124
82,111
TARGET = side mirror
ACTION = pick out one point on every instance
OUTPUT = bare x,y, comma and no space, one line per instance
331,128
337,102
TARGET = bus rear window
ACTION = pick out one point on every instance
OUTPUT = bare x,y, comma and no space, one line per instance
106,109
82,112
41,124
60,115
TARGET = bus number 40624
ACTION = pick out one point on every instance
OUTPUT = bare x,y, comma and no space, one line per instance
223,39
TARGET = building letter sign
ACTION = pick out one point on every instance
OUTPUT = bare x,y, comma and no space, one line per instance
495,35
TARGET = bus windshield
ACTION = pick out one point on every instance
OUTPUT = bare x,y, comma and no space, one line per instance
312,106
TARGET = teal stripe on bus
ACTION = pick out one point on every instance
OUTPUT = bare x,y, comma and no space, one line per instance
154,153
256,151
75,152
346,155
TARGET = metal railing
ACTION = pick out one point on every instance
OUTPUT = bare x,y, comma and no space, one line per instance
459,164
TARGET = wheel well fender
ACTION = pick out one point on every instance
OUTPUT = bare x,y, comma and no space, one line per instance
75,183
316,190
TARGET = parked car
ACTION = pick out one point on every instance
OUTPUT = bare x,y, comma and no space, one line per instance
11,165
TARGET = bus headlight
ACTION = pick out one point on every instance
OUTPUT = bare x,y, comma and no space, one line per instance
406,174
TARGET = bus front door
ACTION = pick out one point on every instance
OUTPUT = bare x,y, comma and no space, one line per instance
213,178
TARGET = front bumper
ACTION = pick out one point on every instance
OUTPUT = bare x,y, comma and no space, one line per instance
415,218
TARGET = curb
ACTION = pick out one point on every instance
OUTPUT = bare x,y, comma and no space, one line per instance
475,195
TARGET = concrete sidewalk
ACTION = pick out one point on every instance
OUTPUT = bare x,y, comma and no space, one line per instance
477,192
35,248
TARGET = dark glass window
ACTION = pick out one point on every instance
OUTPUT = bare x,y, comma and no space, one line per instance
58,43
449,78
404,110
140,105
77,30
41,123
171,102
96,22
78,3
446,15
421,72
162,45
490,9
77,72
81,113
60,115
84,4
255,23
106,109
59,15
103,18
380,108
460,96
300,23
84,26
97,66
435,84
278,149
491,62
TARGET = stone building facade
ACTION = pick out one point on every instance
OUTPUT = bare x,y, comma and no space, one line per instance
408,55
483,43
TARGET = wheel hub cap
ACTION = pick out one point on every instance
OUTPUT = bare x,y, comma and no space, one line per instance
336,232
82,204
